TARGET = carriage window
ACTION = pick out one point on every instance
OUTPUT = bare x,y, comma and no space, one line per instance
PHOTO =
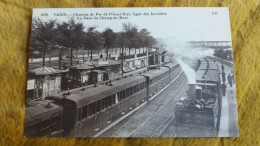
55,123
92,108
108,101
45,126
85,111
103,104
112,99
98,106
89,110
127,93
130,91
78,114
32,129
137,87
119,95
123,94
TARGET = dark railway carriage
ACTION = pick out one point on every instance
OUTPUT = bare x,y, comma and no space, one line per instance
89,109
174,69
43,118
200,110
155,79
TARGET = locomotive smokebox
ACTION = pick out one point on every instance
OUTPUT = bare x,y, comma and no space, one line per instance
192,91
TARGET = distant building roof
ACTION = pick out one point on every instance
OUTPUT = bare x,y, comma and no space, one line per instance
44,70
83,66
104,62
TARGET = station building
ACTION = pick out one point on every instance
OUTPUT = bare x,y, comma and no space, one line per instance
43,81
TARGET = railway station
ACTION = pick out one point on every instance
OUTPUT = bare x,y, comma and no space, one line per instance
137,95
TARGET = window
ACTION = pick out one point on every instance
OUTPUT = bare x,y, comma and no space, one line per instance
85,111
32,129
123,94
137,87
113,99
134,89
92,108
131,91
103,104
78,114
55,123
127,93
109,100
45,127
99,105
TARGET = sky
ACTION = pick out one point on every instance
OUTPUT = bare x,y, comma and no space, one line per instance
182,24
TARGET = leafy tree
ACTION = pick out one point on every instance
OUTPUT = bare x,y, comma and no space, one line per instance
43,35
109,39
70,35
144,34
223,54
131,35
93,40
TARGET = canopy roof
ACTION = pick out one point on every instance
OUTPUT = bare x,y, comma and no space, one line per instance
82,66
45,70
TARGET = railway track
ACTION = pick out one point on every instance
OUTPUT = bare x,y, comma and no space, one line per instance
122,123
159,103
167,109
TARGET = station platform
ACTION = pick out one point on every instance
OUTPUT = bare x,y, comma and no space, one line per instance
228,122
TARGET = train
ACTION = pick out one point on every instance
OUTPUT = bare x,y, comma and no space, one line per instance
79,112
200,110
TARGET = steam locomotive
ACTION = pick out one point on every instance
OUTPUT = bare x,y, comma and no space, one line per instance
199,111
78,112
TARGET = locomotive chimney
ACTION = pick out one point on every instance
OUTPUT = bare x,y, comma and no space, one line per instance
192,91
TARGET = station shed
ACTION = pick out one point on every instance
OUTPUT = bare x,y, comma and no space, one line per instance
43,81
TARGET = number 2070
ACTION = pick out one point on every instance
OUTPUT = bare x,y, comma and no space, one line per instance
44,14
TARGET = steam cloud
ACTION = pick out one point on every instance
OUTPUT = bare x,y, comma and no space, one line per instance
187,56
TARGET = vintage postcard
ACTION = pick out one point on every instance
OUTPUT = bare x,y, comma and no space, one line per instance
131,72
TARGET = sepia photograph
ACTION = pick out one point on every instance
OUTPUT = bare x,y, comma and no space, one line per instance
131,72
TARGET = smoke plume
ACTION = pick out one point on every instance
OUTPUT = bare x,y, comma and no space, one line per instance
187,56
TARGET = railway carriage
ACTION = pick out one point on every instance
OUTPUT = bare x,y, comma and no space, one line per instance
82,111
155,79
200,110
174,69
43,118
89,109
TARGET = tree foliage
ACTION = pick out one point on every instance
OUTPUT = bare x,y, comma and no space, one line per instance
223,54
73,36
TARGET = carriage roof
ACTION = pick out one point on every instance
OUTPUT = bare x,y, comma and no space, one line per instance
204,65
92,94
170,65
36,110
211,75
154,73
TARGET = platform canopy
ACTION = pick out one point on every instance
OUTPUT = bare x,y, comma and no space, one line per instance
44,70
86,65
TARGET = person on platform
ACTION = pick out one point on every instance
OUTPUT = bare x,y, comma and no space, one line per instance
233,77
230,79
224,88
222,66
223,76
101,56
